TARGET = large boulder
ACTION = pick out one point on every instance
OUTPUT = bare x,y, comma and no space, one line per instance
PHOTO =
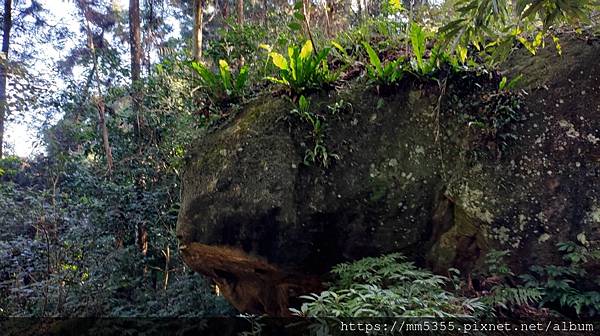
415,173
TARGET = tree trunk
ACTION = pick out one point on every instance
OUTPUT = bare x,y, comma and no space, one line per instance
99,99
102,119
135,41
240,12
327,23
197,43
136,97
4,68
147,40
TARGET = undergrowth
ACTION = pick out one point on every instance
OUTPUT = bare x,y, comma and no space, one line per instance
390,285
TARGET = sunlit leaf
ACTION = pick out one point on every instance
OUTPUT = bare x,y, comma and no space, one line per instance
307,50
279,60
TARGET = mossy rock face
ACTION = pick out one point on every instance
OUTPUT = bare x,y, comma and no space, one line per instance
267,228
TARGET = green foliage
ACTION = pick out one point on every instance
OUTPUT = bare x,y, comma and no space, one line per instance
297,20
418,41
339,106
222,85
9,166
505,84
493,26
391,7
303,70
492,117
391,286
234,42
552,12
174,114
508,297
68,235
318,152
387,286
495,264
501,295
73,252
388,74
423,63
570,286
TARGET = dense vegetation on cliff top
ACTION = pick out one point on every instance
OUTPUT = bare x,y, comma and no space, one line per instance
87,221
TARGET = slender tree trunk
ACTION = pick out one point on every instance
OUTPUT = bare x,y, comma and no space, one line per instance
135,40
147,39
4,68
99,99
102,119
327,23
198,18
240,12
167,270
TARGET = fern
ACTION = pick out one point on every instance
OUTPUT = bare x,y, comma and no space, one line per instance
495,264
504,296
549,284
387,286
318,152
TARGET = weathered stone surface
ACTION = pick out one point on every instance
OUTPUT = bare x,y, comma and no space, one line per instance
412,176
